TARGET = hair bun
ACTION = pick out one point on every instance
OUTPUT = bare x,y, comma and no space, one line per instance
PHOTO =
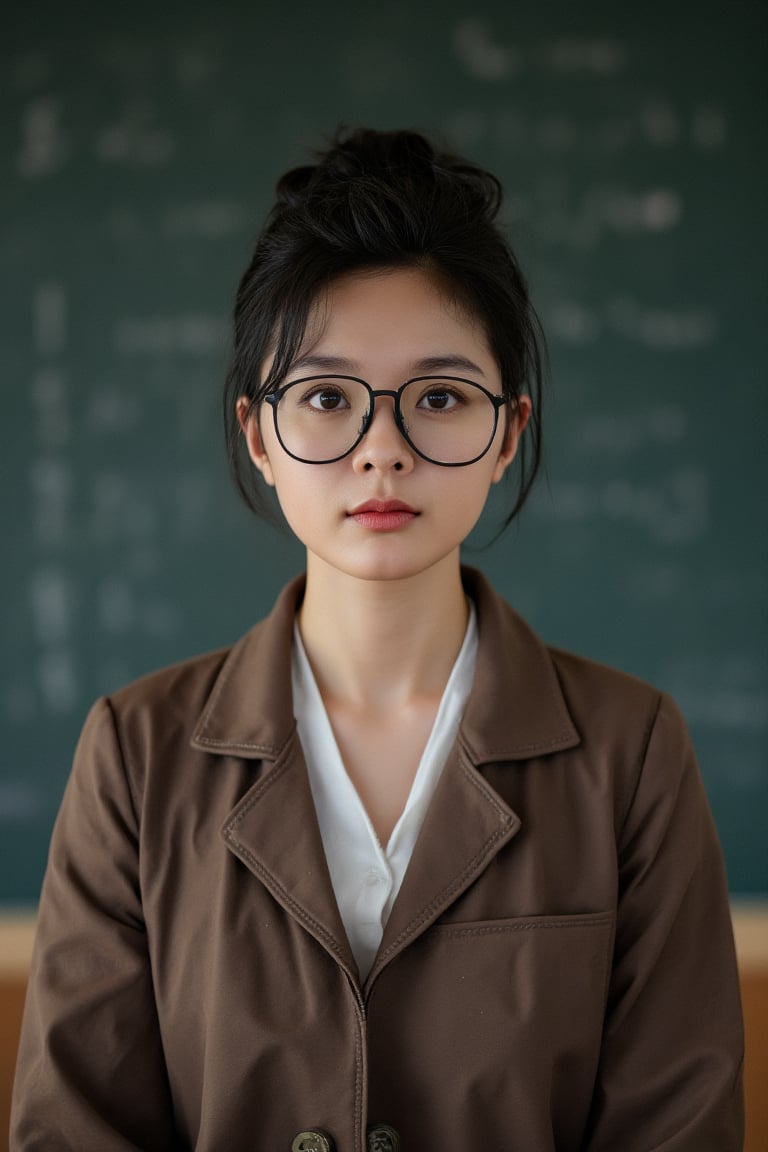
364,151
388,157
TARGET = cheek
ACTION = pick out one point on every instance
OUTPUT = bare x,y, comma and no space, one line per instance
303,491
465,497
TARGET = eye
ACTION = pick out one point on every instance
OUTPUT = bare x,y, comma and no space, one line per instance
440,398
325,398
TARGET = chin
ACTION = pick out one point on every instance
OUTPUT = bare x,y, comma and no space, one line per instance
390,568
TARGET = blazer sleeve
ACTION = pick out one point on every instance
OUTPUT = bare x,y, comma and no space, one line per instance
90,1071
670,1075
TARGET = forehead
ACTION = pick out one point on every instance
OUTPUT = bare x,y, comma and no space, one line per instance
401,306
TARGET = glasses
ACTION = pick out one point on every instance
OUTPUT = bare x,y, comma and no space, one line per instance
446,420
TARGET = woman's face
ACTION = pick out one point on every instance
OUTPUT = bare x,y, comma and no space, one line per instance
386,327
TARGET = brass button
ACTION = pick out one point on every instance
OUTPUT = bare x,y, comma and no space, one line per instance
312,1140
382,1138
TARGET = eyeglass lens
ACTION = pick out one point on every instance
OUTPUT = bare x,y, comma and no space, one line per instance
447,420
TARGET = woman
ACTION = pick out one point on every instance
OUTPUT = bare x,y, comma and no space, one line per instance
389,872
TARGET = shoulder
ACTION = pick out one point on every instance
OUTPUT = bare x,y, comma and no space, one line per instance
602,692
536,700
146,724
622,720
236,698
588,687
634,735
185,688
539,698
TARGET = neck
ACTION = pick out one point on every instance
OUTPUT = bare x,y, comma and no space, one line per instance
383,644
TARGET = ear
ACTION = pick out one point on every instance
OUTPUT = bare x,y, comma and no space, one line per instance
517,416
248,419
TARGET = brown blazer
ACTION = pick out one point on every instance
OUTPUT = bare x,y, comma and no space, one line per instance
557,973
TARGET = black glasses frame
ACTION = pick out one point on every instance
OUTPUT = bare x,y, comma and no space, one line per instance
274,397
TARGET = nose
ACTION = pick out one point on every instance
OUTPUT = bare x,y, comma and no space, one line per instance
383,448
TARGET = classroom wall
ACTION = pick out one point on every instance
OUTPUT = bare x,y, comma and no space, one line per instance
751,931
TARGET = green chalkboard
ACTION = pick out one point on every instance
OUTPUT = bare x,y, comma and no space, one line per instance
138,149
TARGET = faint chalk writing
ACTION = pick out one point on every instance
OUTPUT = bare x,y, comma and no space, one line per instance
610,432
192,503
709,128
557,134
119,509
44,148
19,800
135,139
160,618
672,510
19,703
120,610
467,127
485,57
583,224
662,328
724,707
49,393
657,581
572,322
143,560
57,679
734,670
653,124
481,55
675,511
211,220
373,66
50,311
114,673
50,595
52,486
194,66
602,56
31,70
613,134
159,334
625,210
124,224
116,605
110,411
661,123
131,58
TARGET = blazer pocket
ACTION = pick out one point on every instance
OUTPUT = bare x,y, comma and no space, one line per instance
500,1021
540,978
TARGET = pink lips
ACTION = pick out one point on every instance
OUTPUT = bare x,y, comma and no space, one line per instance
383,515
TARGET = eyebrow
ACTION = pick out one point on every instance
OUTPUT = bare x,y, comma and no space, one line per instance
426,365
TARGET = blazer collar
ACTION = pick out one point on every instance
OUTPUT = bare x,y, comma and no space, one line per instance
516,708
250,709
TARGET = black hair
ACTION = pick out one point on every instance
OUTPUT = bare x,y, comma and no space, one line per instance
378,200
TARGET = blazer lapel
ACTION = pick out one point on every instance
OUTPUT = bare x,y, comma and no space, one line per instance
273,829
465,826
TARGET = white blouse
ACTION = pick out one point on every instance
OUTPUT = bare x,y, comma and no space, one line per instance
366,877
